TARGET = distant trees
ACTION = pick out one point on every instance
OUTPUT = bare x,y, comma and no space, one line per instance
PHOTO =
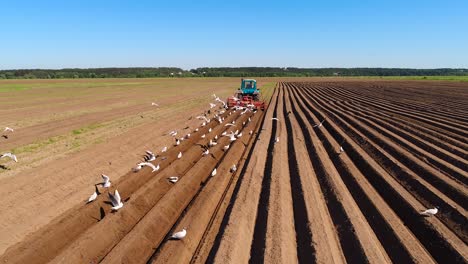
222,72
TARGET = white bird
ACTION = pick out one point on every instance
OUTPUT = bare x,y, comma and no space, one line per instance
233,168
213,173
151,165
154,104
251,132
92,197
232,136
224,133
8,129
212,105
277,140
203,136
229,124
211,143
206,152
179,235
164,149
226,147
173,179
216,137
177,142
430,212
203,124
196,129
203,117
239,135
106,183
179,155
187,136
173,133
275,119
319,124
341,149
9,155
237,132
115,200
214,95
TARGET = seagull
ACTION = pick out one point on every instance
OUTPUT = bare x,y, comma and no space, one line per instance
203,117
430,212
154,104
226,147
232,136
196,129
173,133
224,133
203,124
239,135
229,124
8,129
177,142
203,136
341,149
187,136
150,156
277,140
106,183
251,132
155,168
212,105
179,235
211,143
115,200
9,155
209,130
179,155
94,195
164,149
233,168
319,124
216,137
173,179
213,173
206,152
274,119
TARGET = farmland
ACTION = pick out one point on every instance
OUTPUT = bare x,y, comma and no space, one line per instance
294,198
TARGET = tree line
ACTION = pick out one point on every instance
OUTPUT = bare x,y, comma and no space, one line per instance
222,72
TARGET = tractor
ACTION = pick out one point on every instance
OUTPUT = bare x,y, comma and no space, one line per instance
248,95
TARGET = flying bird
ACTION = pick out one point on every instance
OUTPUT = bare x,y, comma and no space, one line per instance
9,155
149,156
430,212
106,183
274,119
319,124
8,129
173,179
179,235
151,165
115,200
94,195
179,155
232,136
239,135
213,173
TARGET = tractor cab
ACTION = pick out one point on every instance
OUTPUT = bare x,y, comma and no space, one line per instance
247,94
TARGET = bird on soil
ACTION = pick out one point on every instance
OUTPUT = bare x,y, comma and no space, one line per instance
106,183
212,143
239,135
151,165
430,212
232,136
154,104
209,130
213,173
233,168
206,152
179,235
115,200
196,129
203,136
216,137
173,179
229,124
212,105
177,142
251,132
9,155
341,149
226,147
319,124
164,149
274,119
277,140
94,195
179,155
8,129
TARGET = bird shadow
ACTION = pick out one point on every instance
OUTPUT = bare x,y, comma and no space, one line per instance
3,167
5,136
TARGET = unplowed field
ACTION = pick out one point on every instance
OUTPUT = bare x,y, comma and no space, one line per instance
295,196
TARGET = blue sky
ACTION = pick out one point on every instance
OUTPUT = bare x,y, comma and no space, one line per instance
190,34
